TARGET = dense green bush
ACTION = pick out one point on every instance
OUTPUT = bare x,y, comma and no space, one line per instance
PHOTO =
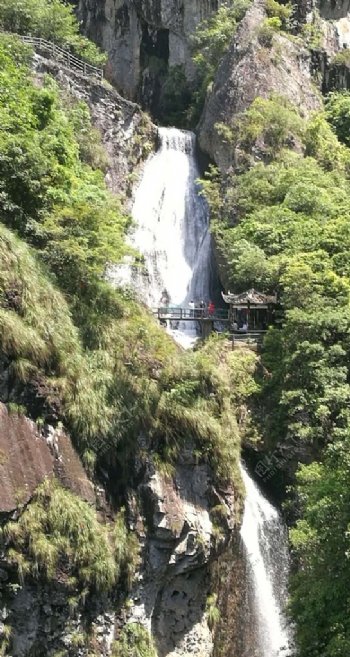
338,115
267,30
279,10
53,199
320,591
269,124
59,532
134,641
50,19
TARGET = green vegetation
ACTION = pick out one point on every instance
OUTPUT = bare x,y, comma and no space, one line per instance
213,37
321,540
134,641
59,537
282,225
200,401
5,639
338,115
342,58
60,532
126,550
212,611
267,30
278,19
50,19
176,98
270,124
279,10
210,43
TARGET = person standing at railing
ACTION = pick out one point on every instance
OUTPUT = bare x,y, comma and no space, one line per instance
202,307
211,309
191,307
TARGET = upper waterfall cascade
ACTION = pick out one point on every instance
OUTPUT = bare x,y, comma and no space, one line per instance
172,226
265,539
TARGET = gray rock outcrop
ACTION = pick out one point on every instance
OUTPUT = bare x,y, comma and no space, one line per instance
180,545
143,39
250,69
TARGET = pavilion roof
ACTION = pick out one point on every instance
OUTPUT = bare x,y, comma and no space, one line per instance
252,297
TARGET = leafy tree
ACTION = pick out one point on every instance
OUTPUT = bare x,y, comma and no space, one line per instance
338,115
320,590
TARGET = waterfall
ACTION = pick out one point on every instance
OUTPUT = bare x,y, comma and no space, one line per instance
172,235
171,228
265,540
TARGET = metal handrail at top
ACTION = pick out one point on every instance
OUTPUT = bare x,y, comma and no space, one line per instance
63,55
177,314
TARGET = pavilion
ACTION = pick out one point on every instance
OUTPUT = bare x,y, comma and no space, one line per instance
252,308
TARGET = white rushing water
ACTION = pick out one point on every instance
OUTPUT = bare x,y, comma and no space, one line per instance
172,230
172,234
264,537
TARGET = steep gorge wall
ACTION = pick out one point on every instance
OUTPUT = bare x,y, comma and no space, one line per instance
171,516
144,39
287,67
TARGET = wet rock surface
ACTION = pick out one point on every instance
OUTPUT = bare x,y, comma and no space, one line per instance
28,456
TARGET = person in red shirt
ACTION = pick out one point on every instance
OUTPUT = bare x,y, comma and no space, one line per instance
211,308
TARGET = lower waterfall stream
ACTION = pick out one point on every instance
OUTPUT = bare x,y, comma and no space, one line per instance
172,234
264,538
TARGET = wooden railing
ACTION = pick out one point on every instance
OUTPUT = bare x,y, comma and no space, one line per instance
55,52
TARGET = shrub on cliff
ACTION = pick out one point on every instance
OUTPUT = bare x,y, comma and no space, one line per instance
59,535
338,114
53,199
134,641
210,42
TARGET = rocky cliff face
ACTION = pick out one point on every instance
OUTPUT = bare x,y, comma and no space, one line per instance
175,518
128,135
184,538
295,69
251,69
145,40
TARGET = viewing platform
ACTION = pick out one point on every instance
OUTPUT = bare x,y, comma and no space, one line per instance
206,322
